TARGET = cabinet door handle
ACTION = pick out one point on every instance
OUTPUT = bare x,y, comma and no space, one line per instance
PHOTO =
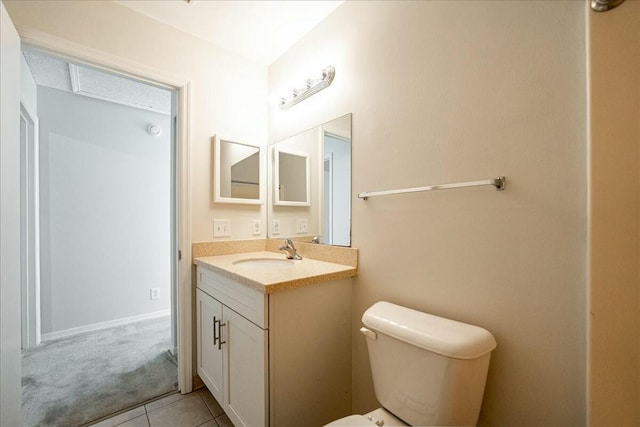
220,342
215,336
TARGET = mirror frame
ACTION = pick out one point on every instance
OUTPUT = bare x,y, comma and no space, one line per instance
217,194
276,178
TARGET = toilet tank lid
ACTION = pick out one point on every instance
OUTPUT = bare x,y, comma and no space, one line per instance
442,336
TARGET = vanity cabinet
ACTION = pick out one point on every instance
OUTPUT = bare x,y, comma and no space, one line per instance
279,359
208,312
231,350
231,360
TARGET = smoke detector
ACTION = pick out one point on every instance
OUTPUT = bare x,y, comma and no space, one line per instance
154,130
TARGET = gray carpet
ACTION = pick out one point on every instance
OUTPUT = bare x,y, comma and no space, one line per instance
72,381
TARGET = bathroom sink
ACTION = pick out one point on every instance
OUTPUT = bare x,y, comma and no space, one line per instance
265,263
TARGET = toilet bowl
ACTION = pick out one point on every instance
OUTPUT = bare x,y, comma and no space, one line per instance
427,370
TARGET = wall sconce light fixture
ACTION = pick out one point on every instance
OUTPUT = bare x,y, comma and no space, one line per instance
311,86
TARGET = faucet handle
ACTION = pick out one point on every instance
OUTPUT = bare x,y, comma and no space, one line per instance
287,244
292,252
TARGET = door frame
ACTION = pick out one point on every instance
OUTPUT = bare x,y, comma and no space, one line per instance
29,228
182,271
327,202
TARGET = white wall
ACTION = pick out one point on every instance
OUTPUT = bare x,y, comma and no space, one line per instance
453,91
614,311
105,189
10,366
229,93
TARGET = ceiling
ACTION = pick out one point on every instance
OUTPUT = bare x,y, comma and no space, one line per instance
57,73
257,30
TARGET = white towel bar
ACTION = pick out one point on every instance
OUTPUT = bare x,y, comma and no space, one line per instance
498,182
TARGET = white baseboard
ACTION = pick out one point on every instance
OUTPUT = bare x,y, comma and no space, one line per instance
103,325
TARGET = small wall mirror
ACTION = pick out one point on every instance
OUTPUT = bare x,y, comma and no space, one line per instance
291,178
237,173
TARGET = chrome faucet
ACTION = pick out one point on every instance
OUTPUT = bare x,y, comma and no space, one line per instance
291,250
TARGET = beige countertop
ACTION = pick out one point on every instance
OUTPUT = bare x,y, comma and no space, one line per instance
274,279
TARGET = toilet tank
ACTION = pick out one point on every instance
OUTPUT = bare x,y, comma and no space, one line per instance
427,370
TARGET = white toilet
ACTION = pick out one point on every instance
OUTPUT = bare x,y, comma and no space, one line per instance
427,370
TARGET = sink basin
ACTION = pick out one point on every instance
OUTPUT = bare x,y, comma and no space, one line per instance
265,263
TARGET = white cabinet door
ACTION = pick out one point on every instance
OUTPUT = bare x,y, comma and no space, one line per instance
210,360
245,371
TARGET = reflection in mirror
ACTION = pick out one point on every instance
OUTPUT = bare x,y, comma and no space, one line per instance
336,203
291,178
327,213
237,173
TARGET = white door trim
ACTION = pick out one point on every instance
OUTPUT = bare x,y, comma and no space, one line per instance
29,228
327,199
182,86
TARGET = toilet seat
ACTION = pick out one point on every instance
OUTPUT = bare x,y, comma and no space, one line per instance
352,421
381,414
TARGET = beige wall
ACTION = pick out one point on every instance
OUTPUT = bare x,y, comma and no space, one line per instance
446,92
229,95
614,101
454,91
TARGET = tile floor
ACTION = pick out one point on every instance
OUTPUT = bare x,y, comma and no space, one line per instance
197,409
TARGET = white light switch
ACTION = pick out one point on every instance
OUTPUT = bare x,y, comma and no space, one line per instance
221,228
275,228
256,227
302,225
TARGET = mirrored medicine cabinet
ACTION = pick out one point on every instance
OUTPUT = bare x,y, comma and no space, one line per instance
309,185
238,172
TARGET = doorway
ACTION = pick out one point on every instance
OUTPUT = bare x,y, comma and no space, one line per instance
336,204
107,243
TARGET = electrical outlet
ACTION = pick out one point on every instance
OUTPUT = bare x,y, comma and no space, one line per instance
221,228
275,228
155,293
302,225
255,227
